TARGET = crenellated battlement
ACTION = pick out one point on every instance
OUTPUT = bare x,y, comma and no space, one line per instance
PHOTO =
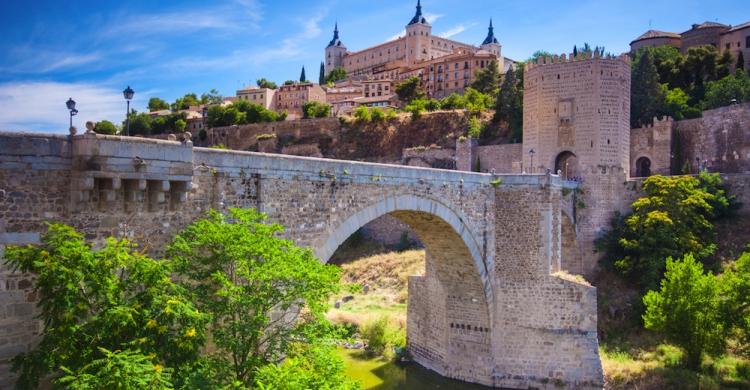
587,56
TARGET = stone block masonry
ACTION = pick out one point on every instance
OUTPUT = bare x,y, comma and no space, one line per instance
487,309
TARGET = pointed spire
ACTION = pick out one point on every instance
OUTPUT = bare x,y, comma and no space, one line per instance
336,41
490,35
418,16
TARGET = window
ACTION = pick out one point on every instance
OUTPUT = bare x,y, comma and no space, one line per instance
747,42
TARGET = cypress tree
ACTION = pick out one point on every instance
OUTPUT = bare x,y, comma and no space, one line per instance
508,105
647,96
322,77
302,77
740,62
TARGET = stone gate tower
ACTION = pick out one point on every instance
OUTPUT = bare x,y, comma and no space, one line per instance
577,122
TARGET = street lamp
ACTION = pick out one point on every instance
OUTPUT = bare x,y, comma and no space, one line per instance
531,165
71,104
128,94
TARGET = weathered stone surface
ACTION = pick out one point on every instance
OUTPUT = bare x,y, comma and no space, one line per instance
487,309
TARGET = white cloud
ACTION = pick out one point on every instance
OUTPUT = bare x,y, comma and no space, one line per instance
236,15
40,106
453,31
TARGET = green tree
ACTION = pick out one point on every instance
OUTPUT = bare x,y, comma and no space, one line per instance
263,293
289,82
687,310
453,101
724,64
477,101
378,115
111,299
156,104
337,74
105,127
313,109
263,83
735,283
740,62
179,126
302,77
122,370
307,367
487,80
508,107
723,92
211,97
322,75
140,124
647,95
700,67
362,114
410,89
183,103
676,103
219,116
674,218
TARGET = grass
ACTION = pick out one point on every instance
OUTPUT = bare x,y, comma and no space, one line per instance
387,276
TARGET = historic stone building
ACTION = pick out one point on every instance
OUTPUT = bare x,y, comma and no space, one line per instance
418,53
736,39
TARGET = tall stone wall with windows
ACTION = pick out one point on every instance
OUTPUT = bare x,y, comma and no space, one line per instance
488,309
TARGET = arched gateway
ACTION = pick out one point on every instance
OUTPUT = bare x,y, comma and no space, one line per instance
488,309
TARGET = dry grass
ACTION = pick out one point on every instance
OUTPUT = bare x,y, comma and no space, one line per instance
572,278
387,271
387,275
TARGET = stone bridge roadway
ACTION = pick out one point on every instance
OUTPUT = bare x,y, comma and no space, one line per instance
488,309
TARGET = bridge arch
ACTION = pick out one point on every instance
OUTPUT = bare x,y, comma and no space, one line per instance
409,209
449,316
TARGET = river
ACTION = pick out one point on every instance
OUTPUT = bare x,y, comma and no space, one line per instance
377,374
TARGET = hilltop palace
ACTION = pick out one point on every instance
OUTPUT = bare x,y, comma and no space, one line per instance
445,66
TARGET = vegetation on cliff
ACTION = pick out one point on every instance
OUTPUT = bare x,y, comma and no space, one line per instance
667,82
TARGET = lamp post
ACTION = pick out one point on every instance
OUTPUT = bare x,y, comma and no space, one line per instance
71,104
128,94
531,165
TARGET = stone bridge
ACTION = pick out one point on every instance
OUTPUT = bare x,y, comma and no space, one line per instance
489,309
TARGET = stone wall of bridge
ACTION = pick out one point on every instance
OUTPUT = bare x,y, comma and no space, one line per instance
487,309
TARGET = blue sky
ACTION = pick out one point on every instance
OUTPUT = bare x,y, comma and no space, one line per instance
92,50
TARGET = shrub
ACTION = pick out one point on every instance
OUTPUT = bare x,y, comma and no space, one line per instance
432,105
314,109
417,107
375,334
122,370
362,114
377,114
105,127
475,128
307,367
687,310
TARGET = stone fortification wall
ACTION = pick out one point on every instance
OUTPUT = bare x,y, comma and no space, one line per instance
500,158
720,140
653,143
470,329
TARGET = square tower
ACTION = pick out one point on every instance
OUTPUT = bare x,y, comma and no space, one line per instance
577,114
